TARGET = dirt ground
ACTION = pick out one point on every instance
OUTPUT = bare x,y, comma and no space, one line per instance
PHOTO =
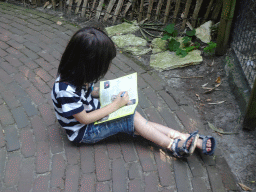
239,149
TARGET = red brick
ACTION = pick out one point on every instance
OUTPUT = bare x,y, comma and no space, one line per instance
12,170
169,100
42,157
8,68
58,170
22,80
128,149
72,152
135,170
26,175
151,182
41,85
43,74
35,95
3,45
102,187
141,83
87,183
41,183
87,158
114,150
2,162
47,114
14,52
2,53
2,139
45,65
12,138
10,99
152,96
29,62
145,156
119,176
135,186
27,143
153,115
46,56
188,124
55,138
53,72
13,61
39,129
155,84
55,190
72,177
102,163
5,77
5,116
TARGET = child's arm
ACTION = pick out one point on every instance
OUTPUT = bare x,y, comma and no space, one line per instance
87,118
95,92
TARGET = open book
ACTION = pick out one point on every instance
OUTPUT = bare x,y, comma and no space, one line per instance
111,88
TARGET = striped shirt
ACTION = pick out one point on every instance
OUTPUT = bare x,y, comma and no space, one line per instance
68,101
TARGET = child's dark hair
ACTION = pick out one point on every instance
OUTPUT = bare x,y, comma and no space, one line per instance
87,57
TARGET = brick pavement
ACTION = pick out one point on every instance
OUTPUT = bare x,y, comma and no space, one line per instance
35,154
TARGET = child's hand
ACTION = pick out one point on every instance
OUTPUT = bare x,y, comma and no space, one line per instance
95,92
122,101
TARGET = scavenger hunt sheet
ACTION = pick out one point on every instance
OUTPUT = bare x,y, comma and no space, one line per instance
111,88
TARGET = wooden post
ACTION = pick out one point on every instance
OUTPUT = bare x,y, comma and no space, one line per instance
158,9
109,9
118,9
167,11
133,8
196,11
84,8
141,10
99,8
177,7
186,14
225,26
150,6
208,11
250,115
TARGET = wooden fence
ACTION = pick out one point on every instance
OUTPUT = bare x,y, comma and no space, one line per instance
165,11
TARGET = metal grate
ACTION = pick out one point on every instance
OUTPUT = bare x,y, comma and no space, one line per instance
244,38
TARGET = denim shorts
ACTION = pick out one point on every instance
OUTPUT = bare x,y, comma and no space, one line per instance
95,133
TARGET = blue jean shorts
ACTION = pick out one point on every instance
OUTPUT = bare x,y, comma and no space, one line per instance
95,133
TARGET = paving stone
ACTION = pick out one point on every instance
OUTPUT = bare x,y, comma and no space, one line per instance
72,152
87,158
35,95
169,100
199,184
155,84
135,185
43,74
188,124
114,150
3,45
102,187
10,99
5,115
18,38
151,182
26,175
46,56
14,52
181,175
72,177
42,157
27,143
2,52
145,155
2,139
196,167
12,169
45,65
5,77
87,183
164,168
135,170
17,90
32,46
55,138
2,162
29,62
58,171
121,65
119,176
15,44
143,101
39,129
41,183
153,116
20,117
152,96
141,83
179,98
128,149
28,106
215,179
102,163
47,114
8,68
22,80
5,38
13,61
12,139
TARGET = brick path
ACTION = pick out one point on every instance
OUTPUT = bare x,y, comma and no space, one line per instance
35,154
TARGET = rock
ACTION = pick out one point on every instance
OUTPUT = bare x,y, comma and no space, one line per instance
169,60
159,45
137,50
204,32
123,28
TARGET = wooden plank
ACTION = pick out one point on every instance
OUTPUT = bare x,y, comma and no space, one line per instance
141,10
196,11
99,9
54,4
84,8
158,9
78,6
92,8
118,9
216,10
150,6
188,4
109,9
177,7
208,11
128,5
167,11
70,6
133,8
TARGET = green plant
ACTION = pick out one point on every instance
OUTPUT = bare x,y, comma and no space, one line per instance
174,45
210,48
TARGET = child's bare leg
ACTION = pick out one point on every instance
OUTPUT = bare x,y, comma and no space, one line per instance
148,131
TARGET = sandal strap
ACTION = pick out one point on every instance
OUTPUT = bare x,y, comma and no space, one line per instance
213,143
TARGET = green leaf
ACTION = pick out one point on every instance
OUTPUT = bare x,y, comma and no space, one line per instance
191,33
191,48
181,52
173,45
165,37
186,39
175,33
169,28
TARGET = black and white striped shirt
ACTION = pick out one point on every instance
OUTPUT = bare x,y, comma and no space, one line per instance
68,101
